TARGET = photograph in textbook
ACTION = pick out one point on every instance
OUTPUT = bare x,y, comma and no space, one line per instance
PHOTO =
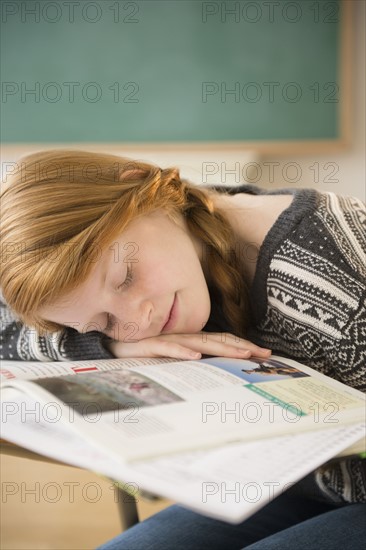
108,391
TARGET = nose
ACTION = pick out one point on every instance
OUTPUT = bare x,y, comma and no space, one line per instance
136,313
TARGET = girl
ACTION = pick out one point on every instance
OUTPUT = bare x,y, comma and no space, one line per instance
103,257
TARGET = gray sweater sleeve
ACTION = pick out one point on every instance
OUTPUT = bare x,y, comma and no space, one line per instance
21,343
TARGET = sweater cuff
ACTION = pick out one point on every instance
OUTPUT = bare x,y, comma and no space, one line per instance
79,347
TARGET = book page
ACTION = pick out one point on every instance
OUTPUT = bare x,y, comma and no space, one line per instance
33,370
151,410
229,482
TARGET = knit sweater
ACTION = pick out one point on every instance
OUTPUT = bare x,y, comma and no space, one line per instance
308,297
308,302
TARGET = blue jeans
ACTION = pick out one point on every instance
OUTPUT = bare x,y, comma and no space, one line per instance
289,522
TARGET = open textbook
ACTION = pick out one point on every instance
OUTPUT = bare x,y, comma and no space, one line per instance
222,436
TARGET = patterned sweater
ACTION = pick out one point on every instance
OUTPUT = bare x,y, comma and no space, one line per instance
308,302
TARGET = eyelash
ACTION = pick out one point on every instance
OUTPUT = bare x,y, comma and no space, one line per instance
126,282
129,277
110,324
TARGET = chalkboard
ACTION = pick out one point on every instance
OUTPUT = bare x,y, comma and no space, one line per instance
174,72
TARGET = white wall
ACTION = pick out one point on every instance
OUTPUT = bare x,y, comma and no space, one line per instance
208,167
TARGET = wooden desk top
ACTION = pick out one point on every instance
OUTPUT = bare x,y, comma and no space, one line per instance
8,448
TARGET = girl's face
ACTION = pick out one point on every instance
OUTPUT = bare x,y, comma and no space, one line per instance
148,281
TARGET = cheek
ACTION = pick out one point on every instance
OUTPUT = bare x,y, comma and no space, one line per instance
161,276
168,266
151,277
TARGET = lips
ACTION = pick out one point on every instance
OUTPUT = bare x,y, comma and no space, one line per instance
172,317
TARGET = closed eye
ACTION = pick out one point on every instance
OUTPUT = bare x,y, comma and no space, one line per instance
129,277
128,280
110,323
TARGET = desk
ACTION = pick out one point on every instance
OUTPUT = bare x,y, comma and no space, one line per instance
126,503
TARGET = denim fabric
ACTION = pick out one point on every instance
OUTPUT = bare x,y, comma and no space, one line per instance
289,522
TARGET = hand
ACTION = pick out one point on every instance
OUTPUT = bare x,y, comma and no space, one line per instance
189,346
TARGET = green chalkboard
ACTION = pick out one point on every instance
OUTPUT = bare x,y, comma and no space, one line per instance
170,71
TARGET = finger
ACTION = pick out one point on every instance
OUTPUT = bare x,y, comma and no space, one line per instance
242,343
211,340
217,343
152,348
170,349
260,352
212,347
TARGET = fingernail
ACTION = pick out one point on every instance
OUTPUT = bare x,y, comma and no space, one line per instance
194,354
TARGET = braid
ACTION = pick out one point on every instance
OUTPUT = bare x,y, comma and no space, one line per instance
211,226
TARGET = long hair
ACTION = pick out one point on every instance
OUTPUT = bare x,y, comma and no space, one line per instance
60,208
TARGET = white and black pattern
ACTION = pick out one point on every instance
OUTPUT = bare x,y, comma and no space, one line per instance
315,278
316,291
345,219
308,302
33,346
313,302
343,481
21,343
